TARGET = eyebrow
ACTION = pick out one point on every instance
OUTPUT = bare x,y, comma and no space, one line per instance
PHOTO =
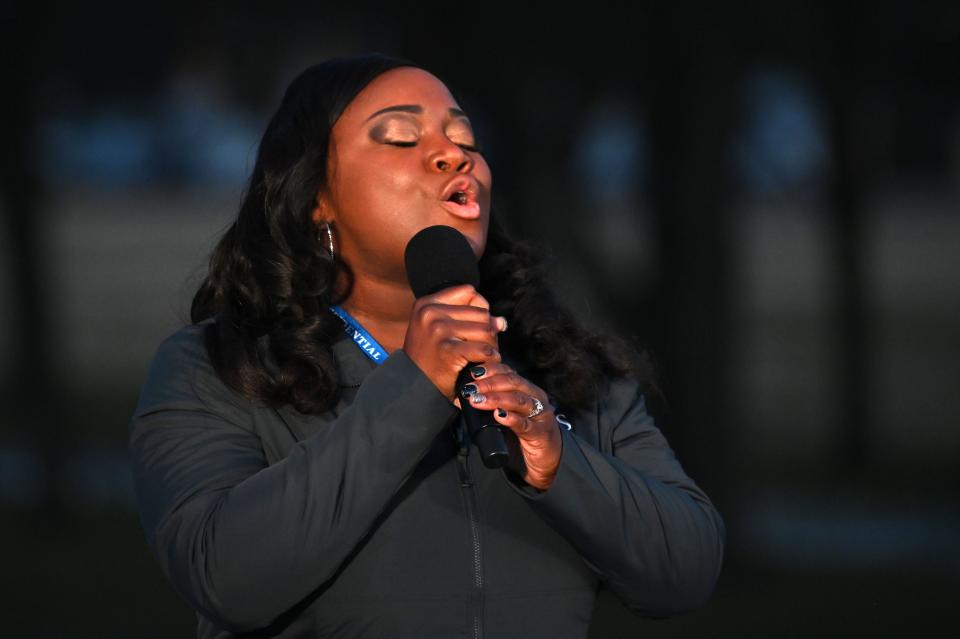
416,108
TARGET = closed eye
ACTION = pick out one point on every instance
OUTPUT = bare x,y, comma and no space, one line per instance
467,147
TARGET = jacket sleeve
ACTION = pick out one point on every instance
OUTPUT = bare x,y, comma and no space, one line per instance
242,541
649,532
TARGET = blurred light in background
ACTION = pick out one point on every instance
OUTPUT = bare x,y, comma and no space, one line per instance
187,135
610,167
782,146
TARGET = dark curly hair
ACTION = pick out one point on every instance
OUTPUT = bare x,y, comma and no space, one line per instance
270,281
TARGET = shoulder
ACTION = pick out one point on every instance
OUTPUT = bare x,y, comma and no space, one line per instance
619,396
181,374
186,345
181,355
620,401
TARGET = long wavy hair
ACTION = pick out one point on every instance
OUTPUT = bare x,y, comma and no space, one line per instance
271,281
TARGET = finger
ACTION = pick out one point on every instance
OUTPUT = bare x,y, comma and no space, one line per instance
507,380
512,401
494,376
465,352
444,312
469,331
455,311
488,369
527,428
517,423
460,295
503,378
480,301
457,295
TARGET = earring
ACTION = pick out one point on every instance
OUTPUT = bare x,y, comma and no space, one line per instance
330,239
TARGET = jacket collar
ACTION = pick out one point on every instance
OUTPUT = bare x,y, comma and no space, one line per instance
352,364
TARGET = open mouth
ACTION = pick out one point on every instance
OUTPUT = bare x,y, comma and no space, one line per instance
459,197
463,205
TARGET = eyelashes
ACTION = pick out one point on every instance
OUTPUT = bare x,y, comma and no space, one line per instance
466,147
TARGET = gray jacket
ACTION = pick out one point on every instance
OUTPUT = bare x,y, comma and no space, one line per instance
373,521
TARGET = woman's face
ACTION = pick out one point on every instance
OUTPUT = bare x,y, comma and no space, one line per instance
399,153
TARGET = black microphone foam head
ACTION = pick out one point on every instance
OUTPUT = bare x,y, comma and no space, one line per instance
439,257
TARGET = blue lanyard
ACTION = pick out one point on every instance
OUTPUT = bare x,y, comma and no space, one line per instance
360,336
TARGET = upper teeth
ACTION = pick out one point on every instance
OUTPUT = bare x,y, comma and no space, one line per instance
459,197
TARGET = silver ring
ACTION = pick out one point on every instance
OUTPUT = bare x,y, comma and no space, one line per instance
538,408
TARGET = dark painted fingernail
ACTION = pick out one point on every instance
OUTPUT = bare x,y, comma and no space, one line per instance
468,389
501,412
478,371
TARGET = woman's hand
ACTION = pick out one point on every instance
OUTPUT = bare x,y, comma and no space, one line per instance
511,398
447,331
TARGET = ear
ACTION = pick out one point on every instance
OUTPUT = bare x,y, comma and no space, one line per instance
321,213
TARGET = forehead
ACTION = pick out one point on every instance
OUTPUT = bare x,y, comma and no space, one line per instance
405,85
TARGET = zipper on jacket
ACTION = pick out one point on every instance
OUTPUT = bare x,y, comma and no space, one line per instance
466,483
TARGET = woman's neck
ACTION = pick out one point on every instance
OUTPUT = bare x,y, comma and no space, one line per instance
383,308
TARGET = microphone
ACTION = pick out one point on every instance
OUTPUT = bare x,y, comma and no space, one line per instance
439,257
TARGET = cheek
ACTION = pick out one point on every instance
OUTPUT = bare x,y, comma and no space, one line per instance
377,192
384,205
484,175
481,171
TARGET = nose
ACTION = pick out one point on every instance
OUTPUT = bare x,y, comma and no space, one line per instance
448,155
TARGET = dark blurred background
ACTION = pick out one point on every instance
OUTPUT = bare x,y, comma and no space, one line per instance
766,195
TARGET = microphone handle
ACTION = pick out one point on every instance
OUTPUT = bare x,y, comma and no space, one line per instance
495,441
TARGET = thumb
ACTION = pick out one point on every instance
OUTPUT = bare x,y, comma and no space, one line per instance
460,295
478,300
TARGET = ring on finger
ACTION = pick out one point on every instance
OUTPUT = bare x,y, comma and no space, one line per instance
537,408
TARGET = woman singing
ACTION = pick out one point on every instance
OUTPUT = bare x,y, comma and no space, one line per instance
295,482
